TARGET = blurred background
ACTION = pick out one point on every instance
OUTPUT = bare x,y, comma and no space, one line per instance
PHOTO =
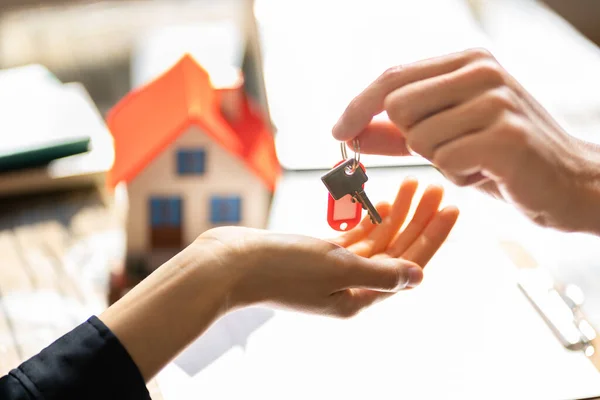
107,45
65,64
98,43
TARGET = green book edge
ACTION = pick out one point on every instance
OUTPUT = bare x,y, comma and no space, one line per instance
39,157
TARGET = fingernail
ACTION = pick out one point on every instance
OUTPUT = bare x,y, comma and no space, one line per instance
415,276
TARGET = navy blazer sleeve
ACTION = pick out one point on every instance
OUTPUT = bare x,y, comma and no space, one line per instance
87,363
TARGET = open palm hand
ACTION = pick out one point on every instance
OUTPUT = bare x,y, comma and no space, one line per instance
417,242
341,276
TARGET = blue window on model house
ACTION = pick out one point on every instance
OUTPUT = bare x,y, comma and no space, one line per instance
165,211
191,161
225,210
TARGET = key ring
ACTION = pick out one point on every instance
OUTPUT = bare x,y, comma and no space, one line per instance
356,145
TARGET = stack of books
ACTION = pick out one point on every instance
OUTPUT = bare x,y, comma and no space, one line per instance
53,136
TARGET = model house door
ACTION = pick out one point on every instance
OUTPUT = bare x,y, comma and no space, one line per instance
165,223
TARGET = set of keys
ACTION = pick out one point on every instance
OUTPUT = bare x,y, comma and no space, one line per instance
347,197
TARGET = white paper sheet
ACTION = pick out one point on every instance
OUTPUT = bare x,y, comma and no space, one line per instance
31,110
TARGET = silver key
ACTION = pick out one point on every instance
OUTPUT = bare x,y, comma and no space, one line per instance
341,181
362,198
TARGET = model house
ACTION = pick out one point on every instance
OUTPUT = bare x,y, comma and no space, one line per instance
192,155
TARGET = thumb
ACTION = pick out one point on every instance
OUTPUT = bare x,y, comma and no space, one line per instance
383,274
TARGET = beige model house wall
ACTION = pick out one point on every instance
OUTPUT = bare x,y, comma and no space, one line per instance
179,183
224,175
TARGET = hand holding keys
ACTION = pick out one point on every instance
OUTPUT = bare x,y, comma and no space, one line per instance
347,196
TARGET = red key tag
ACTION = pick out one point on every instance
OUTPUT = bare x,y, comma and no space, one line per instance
343,214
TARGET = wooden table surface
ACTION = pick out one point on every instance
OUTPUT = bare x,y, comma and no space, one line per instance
52,274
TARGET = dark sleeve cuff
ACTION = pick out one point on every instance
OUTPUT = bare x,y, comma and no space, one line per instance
87,363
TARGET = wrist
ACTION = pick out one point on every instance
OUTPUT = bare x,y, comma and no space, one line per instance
239,252
226,264
174,305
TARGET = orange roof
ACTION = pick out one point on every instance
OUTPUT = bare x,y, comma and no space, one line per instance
150,118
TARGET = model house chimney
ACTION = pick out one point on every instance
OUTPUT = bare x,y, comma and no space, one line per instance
230,83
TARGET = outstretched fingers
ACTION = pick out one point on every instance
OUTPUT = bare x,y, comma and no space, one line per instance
432,237
363,229
380,237
351,301
426,210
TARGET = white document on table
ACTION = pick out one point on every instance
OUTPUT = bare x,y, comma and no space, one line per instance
467,332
